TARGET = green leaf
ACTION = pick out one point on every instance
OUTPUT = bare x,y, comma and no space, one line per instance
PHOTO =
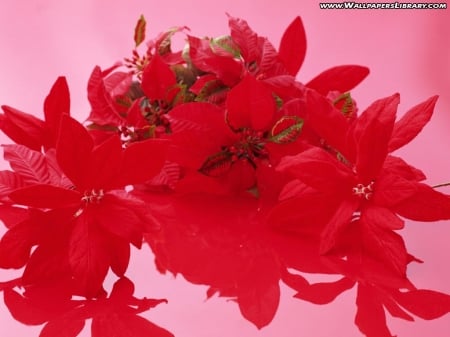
286,130
139,31
224,45
345,104
217,164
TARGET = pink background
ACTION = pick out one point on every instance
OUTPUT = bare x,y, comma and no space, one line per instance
407,51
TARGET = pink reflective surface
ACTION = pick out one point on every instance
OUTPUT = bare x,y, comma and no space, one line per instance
406,50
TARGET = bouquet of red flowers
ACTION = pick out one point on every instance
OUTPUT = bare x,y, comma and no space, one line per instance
235,173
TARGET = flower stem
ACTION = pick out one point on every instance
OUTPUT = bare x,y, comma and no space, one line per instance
441,185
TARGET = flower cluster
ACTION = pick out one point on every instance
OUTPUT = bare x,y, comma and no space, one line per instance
237,174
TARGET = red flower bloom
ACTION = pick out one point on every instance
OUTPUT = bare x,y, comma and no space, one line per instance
96,210
363,183
32,132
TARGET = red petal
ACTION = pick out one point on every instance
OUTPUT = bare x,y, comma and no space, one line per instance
121,217
318,169
103,111
372,132
105,163
292,48
120,255
24,310
23,128
259,292
46,196
382,217
142,161
391,190
250,104
410,125
370,317
62,327
203,117
340,78
226,69
426,204
56,104
30,165
426,304
244,37
88,256
11,216
73,150
386,246
118,83
9,181
16,244
158,79
328,122
337,224
397,166
323,293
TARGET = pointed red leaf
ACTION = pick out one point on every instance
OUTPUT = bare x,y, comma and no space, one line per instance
105,163
15,245
250,104
22,128
11,215
62,327
46,196
142,161
323,293
385,246
392,189
317,168
382,217
328,122
103,110
73,150
340,78
244,37
372,133
56,104
88,256
370,317
398,167
426,204
118,83
258,291
120,255
292,48
158,79
395,310
225,68
117,216
29,164
24,310
9,181
337,224
410,125
426,304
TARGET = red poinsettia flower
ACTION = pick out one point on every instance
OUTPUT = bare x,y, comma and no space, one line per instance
118,313
240,139
362,182
96,203
32,132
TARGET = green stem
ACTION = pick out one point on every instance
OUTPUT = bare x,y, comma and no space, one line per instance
441,185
